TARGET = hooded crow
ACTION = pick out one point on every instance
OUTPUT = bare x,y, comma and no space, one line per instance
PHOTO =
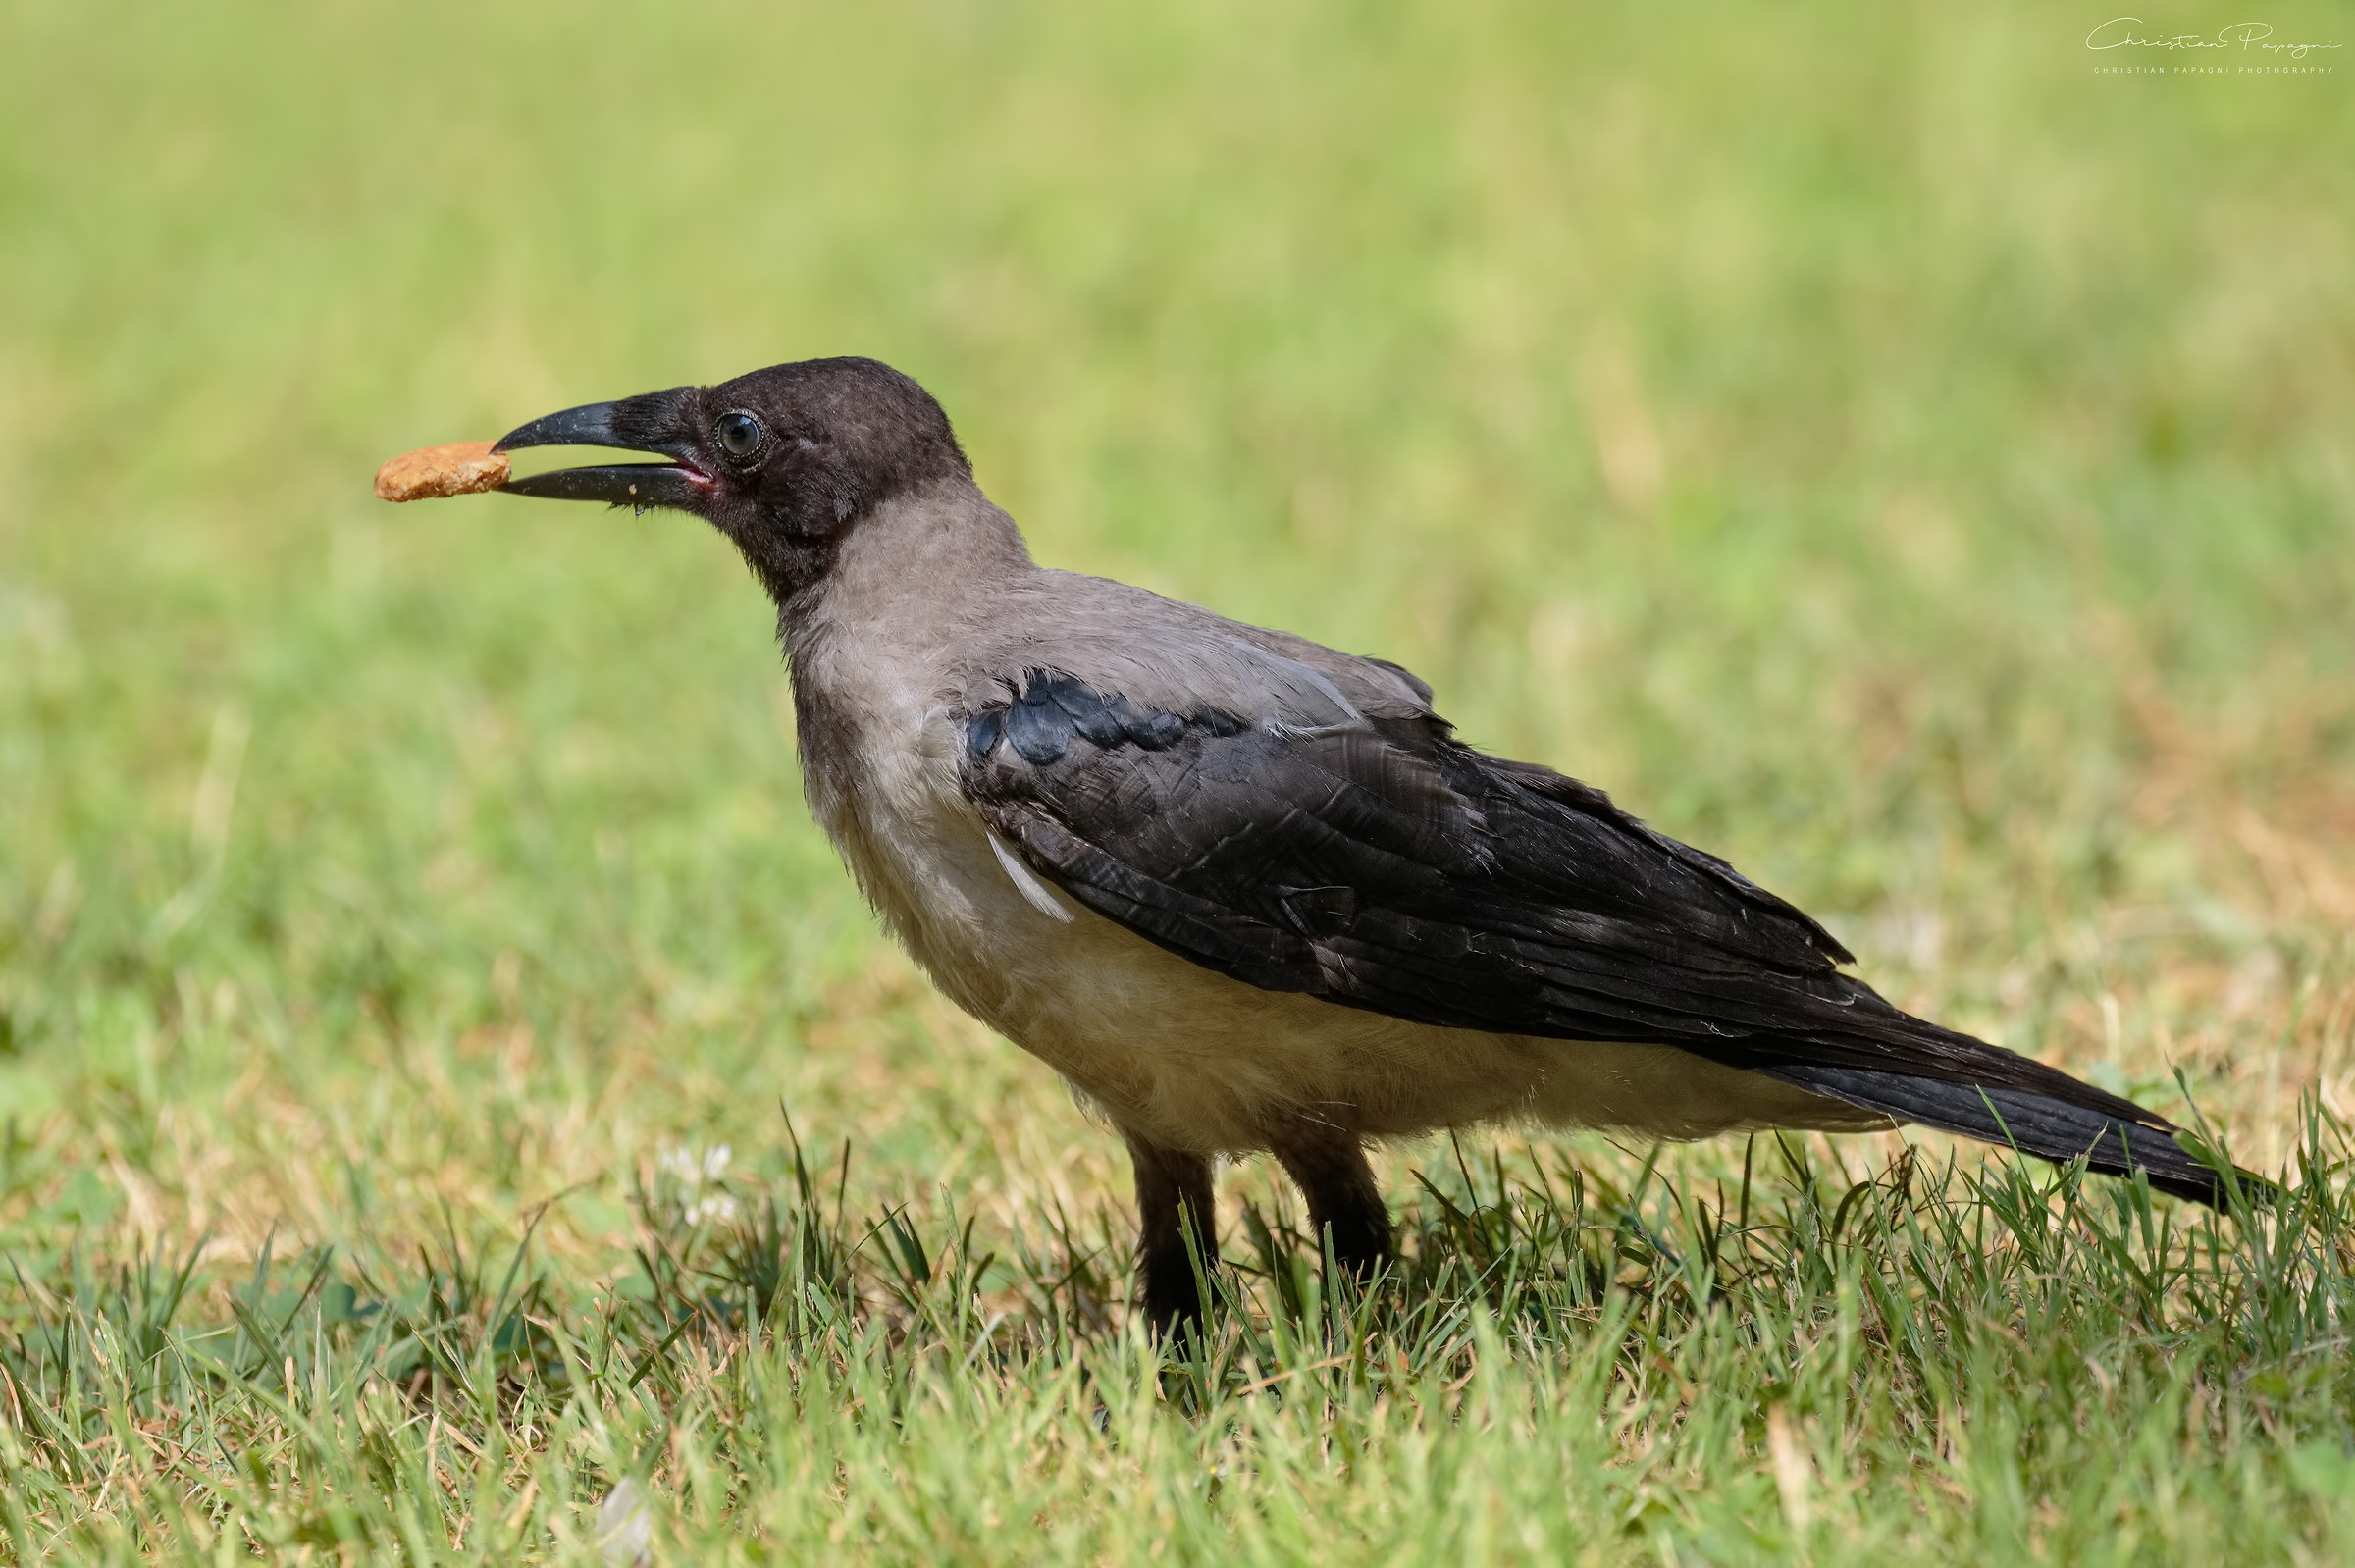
1247,893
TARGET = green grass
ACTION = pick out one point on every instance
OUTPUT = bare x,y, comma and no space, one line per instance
1870,443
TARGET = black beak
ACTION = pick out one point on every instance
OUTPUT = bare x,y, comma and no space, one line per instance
647,424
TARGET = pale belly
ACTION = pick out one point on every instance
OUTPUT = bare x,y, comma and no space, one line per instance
1192,1060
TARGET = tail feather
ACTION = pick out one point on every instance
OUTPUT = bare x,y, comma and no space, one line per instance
2033,1122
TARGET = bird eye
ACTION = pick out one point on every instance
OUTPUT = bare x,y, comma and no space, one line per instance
740,433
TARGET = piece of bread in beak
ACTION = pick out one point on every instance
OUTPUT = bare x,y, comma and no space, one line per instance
461,468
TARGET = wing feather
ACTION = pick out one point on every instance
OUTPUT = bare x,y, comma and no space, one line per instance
1383,864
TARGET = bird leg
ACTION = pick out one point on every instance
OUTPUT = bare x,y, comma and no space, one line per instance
1175,1205
1328,1165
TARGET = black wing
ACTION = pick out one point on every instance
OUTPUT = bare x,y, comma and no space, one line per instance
1383,864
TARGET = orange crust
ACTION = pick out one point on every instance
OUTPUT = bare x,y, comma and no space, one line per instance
460,468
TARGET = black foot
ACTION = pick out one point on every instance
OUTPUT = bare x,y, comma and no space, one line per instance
1173,1202
1345,1211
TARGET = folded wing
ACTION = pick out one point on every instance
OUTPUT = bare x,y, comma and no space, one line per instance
1380,864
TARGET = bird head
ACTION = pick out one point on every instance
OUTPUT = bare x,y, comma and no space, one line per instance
784,461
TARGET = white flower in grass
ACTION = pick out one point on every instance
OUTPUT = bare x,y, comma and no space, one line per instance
694,1170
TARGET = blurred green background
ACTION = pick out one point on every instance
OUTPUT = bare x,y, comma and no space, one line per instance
1869,442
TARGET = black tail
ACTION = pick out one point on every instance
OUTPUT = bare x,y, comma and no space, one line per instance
2034,1123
